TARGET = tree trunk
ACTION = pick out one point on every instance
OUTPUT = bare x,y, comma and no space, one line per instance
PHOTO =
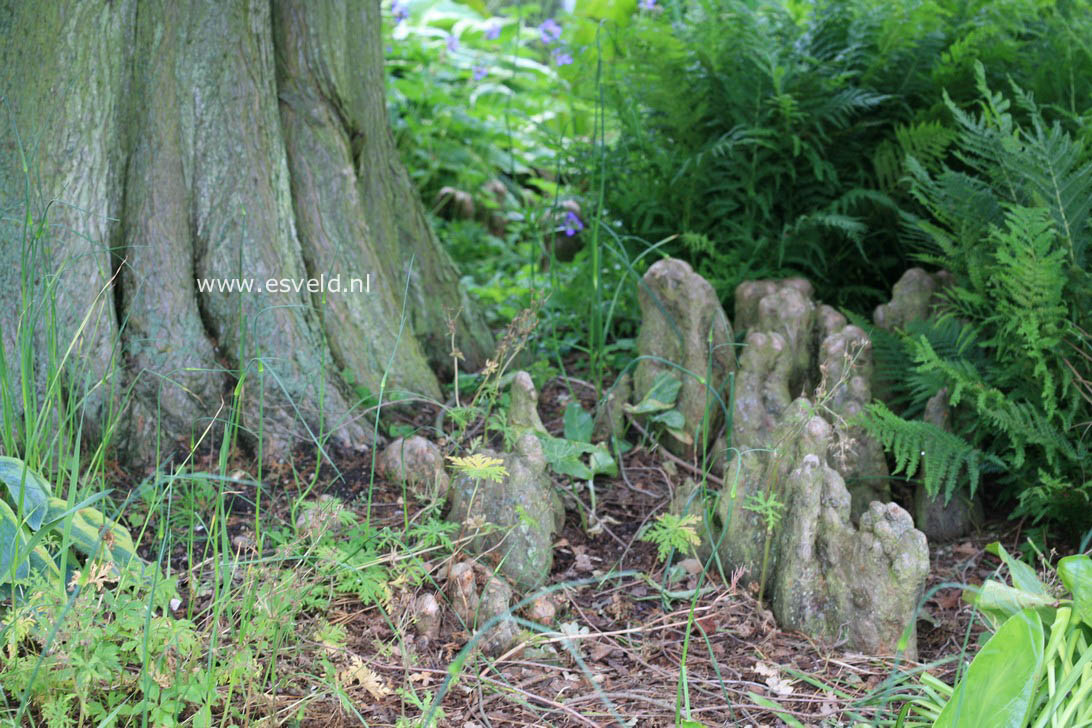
174,141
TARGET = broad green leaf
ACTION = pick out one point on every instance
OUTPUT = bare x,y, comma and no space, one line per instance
672,419
12,540
681,435
1000,601
36,490
1076,574
998,688
661,396
42,562
572,467
564,456
93,534
58,509
601,461
1023,576
578,423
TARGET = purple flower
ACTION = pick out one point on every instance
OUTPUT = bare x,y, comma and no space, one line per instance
647,4
452,43
549,32
572,223
400,11
561,58
480,72
492,31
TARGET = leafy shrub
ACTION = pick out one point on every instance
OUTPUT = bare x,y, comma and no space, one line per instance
484,110
1011,223
82,656
472,97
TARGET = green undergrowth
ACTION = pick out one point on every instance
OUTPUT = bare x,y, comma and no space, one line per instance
844,141
1009,339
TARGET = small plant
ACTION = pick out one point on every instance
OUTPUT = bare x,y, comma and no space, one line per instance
1036,669
671,532
768,507
85,654
659,404
480,467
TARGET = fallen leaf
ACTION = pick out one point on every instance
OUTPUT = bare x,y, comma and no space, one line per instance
357,673
600,651
583,562
777,684
965,549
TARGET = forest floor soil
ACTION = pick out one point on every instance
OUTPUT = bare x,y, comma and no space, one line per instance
628,634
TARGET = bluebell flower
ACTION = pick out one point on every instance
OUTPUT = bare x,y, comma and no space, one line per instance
572,224
561,58
492,31
647,4
452,43
400,11
480,72
549,31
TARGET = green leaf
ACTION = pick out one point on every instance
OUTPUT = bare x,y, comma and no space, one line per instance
672,419
35,490
999,687
578,423
774,706
12,541
682,436
1000,601
93,534
1023,576
602,462
661,396
564,456
42,562
1076,574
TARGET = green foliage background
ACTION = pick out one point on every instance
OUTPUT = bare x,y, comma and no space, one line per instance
841,140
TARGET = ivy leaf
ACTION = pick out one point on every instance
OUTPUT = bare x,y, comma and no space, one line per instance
578,423
661,396
564,456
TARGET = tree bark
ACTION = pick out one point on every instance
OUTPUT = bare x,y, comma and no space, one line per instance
173,141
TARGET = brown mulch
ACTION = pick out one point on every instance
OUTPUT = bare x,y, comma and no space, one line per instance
624,665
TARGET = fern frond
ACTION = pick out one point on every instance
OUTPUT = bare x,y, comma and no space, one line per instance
1028,283
1021,424
1051,165
915,442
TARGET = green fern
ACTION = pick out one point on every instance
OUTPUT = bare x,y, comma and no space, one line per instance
1031,318
914,442
1012,227
672,532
